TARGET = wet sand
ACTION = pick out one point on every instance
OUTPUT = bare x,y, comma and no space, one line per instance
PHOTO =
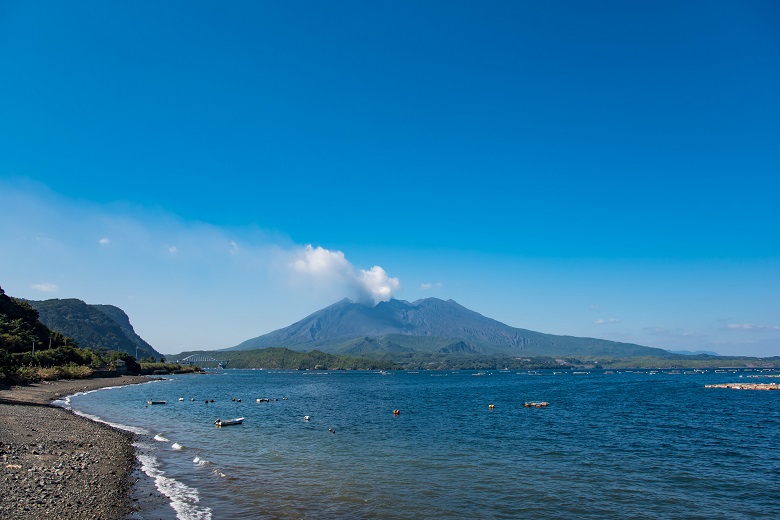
56,464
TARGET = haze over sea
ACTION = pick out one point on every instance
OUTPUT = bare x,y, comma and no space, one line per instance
629,444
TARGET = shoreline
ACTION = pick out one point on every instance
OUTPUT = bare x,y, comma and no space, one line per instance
59,464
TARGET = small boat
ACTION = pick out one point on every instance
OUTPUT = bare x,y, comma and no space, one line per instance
155,402
219,423
536,404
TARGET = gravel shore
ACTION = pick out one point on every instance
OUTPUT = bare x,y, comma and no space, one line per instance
56,464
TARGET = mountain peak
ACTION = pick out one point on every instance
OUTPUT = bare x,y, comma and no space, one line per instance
428,325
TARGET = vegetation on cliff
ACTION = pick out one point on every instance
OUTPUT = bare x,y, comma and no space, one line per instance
98,327
30,351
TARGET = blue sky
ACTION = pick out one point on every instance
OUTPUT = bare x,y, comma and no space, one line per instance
603,169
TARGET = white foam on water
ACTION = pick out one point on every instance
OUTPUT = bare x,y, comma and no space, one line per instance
62,403
65,402
200,462
67,397
184,499
132,429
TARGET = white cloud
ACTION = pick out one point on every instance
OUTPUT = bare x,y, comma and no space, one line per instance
376,283
671,333
750,326
743,326
45,287
322,262
602,321
55,238
427,286
332,267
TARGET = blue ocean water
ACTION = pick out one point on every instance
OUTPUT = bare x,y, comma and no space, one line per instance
609,445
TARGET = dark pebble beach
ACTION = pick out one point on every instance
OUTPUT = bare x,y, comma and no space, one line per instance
56,464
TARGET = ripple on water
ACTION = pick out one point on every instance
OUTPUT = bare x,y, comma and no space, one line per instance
617,445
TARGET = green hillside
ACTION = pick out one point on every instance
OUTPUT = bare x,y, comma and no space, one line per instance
282,358
99,327
30,351
20,327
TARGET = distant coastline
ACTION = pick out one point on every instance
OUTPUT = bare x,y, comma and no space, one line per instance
288,359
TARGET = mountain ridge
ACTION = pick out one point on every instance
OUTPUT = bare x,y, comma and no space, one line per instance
93,326
429,325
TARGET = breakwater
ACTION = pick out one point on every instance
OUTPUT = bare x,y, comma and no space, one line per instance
746,386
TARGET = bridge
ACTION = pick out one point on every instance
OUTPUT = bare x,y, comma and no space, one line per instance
200,359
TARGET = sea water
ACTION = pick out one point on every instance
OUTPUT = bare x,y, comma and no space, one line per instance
628,444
